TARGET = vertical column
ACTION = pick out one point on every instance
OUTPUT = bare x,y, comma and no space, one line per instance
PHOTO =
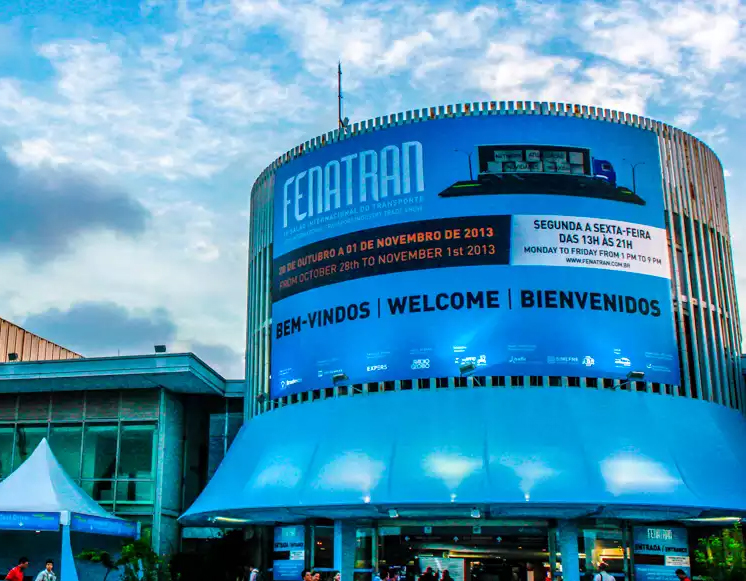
160,452
589,538
67,566
344,548
568,546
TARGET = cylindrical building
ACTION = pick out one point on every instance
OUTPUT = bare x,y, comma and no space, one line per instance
489,321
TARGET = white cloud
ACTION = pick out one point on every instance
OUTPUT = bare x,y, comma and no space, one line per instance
665,34
686,119
716,135
508,67
511,69
34,152
138,112
232,84
685,43
84,69
175,266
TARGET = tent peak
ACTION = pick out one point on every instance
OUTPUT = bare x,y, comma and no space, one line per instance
40,484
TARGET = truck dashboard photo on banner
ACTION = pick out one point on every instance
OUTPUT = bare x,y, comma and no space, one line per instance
504,245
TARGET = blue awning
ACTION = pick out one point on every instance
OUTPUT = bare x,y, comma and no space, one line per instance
549,452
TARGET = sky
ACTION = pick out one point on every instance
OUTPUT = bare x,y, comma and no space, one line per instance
131,133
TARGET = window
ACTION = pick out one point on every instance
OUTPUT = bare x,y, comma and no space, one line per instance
112,460
323,547
235,422
364,548
605,545
100,451
136,454
135,491
27,439
6,452
100,490
66,443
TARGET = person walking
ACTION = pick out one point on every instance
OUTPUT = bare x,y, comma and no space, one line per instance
603,575
47,574
18,572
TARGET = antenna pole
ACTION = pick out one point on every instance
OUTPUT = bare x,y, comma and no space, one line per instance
339,95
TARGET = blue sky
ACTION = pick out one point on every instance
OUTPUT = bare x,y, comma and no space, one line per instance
131,133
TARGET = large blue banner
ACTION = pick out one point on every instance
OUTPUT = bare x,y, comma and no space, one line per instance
659,552
497,245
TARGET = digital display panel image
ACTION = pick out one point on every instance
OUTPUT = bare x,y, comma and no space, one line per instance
543,170
380,273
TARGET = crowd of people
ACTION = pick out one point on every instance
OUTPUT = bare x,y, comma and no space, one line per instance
310,575
432,575
18,572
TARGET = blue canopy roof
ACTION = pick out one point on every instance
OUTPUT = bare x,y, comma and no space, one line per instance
548,452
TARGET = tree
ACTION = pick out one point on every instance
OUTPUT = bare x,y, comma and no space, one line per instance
138,562
98,556
722,557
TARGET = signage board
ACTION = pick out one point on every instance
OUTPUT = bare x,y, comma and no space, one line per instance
659,552
103,526
30,521
289,553
449,247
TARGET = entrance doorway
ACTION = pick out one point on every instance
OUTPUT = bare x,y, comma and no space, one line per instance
464,553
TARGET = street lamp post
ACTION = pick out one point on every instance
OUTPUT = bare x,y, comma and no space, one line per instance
634,180
468,155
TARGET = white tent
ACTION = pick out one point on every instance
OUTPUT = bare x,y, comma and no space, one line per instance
39,495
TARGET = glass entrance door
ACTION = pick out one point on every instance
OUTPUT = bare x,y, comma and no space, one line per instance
597,543
488,552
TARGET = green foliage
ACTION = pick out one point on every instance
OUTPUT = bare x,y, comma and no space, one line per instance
98,556
141,563
137,562
722,557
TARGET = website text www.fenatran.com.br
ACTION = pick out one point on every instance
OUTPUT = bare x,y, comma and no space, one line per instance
598,262
468,300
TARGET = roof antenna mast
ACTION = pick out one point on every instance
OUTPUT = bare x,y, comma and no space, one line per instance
342,122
